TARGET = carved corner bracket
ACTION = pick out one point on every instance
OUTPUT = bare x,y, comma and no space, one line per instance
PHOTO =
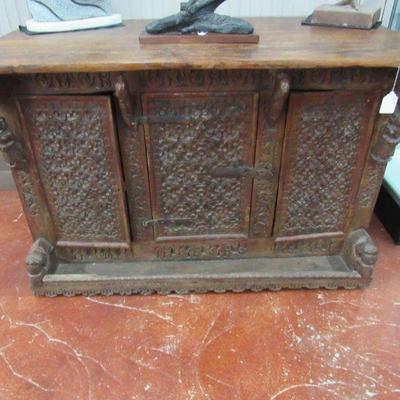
121,93
279,98
11,148
389,137
361,253
40,261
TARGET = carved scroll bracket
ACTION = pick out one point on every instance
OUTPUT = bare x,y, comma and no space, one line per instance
12,150
383,150
279,98
41,261
121,93
361,253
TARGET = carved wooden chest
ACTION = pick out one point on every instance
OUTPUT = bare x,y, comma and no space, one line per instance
201,168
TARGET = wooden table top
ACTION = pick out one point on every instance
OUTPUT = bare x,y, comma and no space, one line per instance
284,43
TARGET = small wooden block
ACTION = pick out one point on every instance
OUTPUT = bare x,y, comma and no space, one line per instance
345,16
216,38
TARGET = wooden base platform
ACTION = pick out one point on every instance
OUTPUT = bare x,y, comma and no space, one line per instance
178,38
218,276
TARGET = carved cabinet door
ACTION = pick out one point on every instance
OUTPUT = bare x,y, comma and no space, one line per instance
200,149
74,145
326,142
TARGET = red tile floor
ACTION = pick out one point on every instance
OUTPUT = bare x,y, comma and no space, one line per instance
268,346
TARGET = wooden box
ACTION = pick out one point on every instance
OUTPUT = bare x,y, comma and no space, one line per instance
198,168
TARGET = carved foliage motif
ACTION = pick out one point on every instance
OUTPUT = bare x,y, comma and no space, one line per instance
309,247
70,138
15,156
323,142
12,150
264,192
264,189
218,134
69,80
28,194
387,137
92,254
315,78
200,78
188,252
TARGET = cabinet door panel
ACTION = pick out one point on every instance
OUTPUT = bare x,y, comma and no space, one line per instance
74,144
326,140
190,136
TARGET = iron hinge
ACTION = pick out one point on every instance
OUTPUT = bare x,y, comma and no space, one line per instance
160,119
167,221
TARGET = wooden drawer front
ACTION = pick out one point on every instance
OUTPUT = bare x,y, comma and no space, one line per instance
189,136
73,141
326,140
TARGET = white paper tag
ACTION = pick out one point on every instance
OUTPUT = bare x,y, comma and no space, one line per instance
389,103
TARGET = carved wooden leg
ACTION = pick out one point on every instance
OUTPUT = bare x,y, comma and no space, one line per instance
12,150
41,260
360,253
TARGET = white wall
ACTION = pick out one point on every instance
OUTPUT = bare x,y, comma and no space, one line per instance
15,12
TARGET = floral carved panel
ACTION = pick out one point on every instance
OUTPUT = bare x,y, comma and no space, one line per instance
73,141
189,137
326,142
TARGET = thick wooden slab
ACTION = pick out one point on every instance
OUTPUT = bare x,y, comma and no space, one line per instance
177,38
284,43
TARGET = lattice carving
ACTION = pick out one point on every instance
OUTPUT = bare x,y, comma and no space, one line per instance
217,134
324,140
72,143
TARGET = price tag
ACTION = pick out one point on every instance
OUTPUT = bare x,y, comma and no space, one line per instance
389,103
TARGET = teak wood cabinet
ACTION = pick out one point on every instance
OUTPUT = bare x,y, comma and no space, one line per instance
159,179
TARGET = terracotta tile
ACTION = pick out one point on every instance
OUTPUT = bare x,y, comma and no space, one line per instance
288,345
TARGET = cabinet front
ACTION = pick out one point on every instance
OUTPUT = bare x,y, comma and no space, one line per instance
199,147
326,142
216,172
74,147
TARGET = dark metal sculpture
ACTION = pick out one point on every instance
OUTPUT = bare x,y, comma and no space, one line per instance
199,16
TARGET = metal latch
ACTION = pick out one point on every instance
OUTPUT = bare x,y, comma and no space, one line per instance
240,172
160,119
167,221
